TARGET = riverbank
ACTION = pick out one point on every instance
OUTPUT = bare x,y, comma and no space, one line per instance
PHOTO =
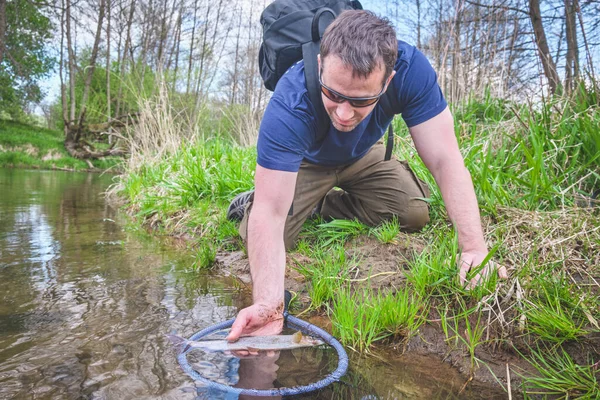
535,172
27,146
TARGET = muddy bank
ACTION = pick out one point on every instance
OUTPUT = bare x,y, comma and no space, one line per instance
384,267
381,266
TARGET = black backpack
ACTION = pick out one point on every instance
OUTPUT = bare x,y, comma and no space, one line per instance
292,31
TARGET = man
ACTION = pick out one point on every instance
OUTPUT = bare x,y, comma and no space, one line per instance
296,172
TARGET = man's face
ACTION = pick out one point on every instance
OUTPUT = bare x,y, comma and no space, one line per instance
337,76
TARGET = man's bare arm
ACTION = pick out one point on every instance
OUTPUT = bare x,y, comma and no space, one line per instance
274,192
437,146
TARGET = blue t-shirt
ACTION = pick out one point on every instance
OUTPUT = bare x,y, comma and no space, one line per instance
288,132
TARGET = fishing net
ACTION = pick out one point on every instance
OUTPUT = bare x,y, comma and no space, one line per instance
290,322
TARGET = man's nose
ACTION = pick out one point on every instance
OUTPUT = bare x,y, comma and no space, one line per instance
344,111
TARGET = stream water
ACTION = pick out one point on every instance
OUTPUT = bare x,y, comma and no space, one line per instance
85,303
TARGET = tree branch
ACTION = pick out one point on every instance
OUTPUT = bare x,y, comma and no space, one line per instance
498,7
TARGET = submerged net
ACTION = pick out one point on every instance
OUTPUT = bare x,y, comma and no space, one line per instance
291,322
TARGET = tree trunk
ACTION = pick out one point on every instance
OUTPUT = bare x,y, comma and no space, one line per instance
235,77
203,51
249,92
456,55
71,57
61,70
588,53
418,2
511,55
472,63
92,66
191,55
572,57
74,143
2,28
108,114
119,48
163,37
123,64
176,44
440,48
542,46
148,18
215,40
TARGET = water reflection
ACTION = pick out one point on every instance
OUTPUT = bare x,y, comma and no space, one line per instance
85,306
263,370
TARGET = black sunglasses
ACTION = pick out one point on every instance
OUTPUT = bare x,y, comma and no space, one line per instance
354,101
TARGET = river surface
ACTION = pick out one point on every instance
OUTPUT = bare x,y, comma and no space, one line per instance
86,301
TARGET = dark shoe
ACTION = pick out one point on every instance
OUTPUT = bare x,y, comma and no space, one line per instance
237,207
316,212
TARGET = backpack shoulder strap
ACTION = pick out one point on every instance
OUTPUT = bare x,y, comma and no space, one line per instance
311,74
389,103
310,50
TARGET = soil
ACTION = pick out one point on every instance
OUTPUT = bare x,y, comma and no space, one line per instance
382,265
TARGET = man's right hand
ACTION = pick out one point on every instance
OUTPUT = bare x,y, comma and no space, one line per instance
256,320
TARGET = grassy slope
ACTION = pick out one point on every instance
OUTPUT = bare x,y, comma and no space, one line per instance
529,169
27,146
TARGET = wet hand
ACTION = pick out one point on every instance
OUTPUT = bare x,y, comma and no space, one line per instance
256,320
472,260
255,353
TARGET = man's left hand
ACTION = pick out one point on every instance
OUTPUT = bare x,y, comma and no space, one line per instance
472,260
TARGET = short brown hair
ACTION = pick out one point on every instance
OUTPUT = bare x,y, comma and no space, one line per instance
361,40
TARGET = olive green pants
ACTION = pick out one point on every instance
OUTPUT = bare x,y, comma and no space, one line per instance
371,190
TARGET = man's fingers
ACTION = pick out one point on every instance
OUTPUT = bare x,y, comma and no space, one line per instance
500,269
463,270
480,277
238,327
486,273
482,273
502,272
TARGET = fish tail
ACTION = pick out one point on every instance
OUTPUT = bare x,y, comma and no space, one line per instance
180,344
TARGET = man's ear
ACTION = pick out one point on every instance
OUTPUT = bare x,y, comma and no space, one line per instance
389,79
319,61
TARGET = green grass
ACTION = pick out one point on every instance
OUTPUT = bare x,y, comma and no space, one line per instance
401,312
27,146
387,232
433,272
327,275
362,317
559,377
532,160
340,230
553,314
472,336
189,193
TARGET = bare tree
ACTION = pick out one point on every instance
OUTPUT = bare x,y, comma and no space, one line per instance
2,28
191,52
542,46
176,44
123,64
74,128
71,60
108,7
